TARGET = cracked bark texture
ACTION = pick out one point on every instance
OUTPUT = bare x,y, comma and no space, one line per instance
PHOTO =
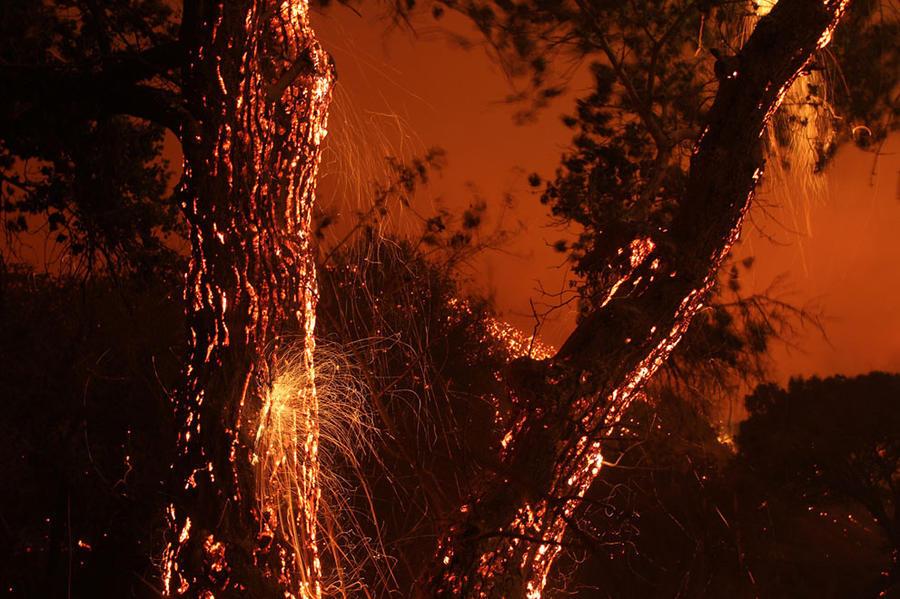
257,85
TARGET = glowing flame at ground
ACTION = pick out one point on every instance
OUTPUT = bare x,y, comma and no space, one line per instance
516,343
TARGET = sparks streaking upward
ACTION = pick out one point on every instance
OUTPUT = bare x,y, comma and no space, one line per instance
261,85
799,138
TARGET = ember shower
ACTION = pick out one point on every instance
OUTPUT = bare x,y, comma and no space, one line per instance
262,84
313,370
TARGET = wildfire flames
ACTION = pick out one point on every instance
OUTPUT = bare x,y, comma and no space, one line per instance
301,401
265,115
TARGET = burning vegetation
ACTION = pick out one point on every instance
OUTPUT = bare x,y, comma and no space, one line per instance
346,419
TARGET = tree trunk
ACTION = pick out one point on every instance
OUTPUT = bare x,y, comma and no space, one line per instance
243,518
509,534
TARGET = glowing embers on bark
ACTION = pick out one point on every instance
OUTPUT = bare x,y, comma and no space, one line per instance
312,415
260,85
638,251
504,554
170,570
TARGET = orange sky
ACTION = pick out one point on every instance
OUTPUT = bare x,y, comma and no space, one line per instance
848,265
401,93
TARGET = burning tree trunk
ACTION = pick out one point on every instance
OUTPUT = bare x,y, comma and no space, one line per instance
257,84
509,534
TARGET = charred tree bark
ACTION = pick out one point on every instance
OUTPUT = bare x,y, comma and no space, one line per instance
509,534
258,85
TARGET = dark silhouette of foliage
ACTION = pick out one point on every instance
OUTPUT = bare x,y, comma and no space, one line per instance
831,439
87,434
74,171
680,514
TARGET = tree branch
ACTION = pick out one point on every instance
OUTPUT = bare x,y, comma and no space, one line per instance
724,170
615,350
87,91
642,107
